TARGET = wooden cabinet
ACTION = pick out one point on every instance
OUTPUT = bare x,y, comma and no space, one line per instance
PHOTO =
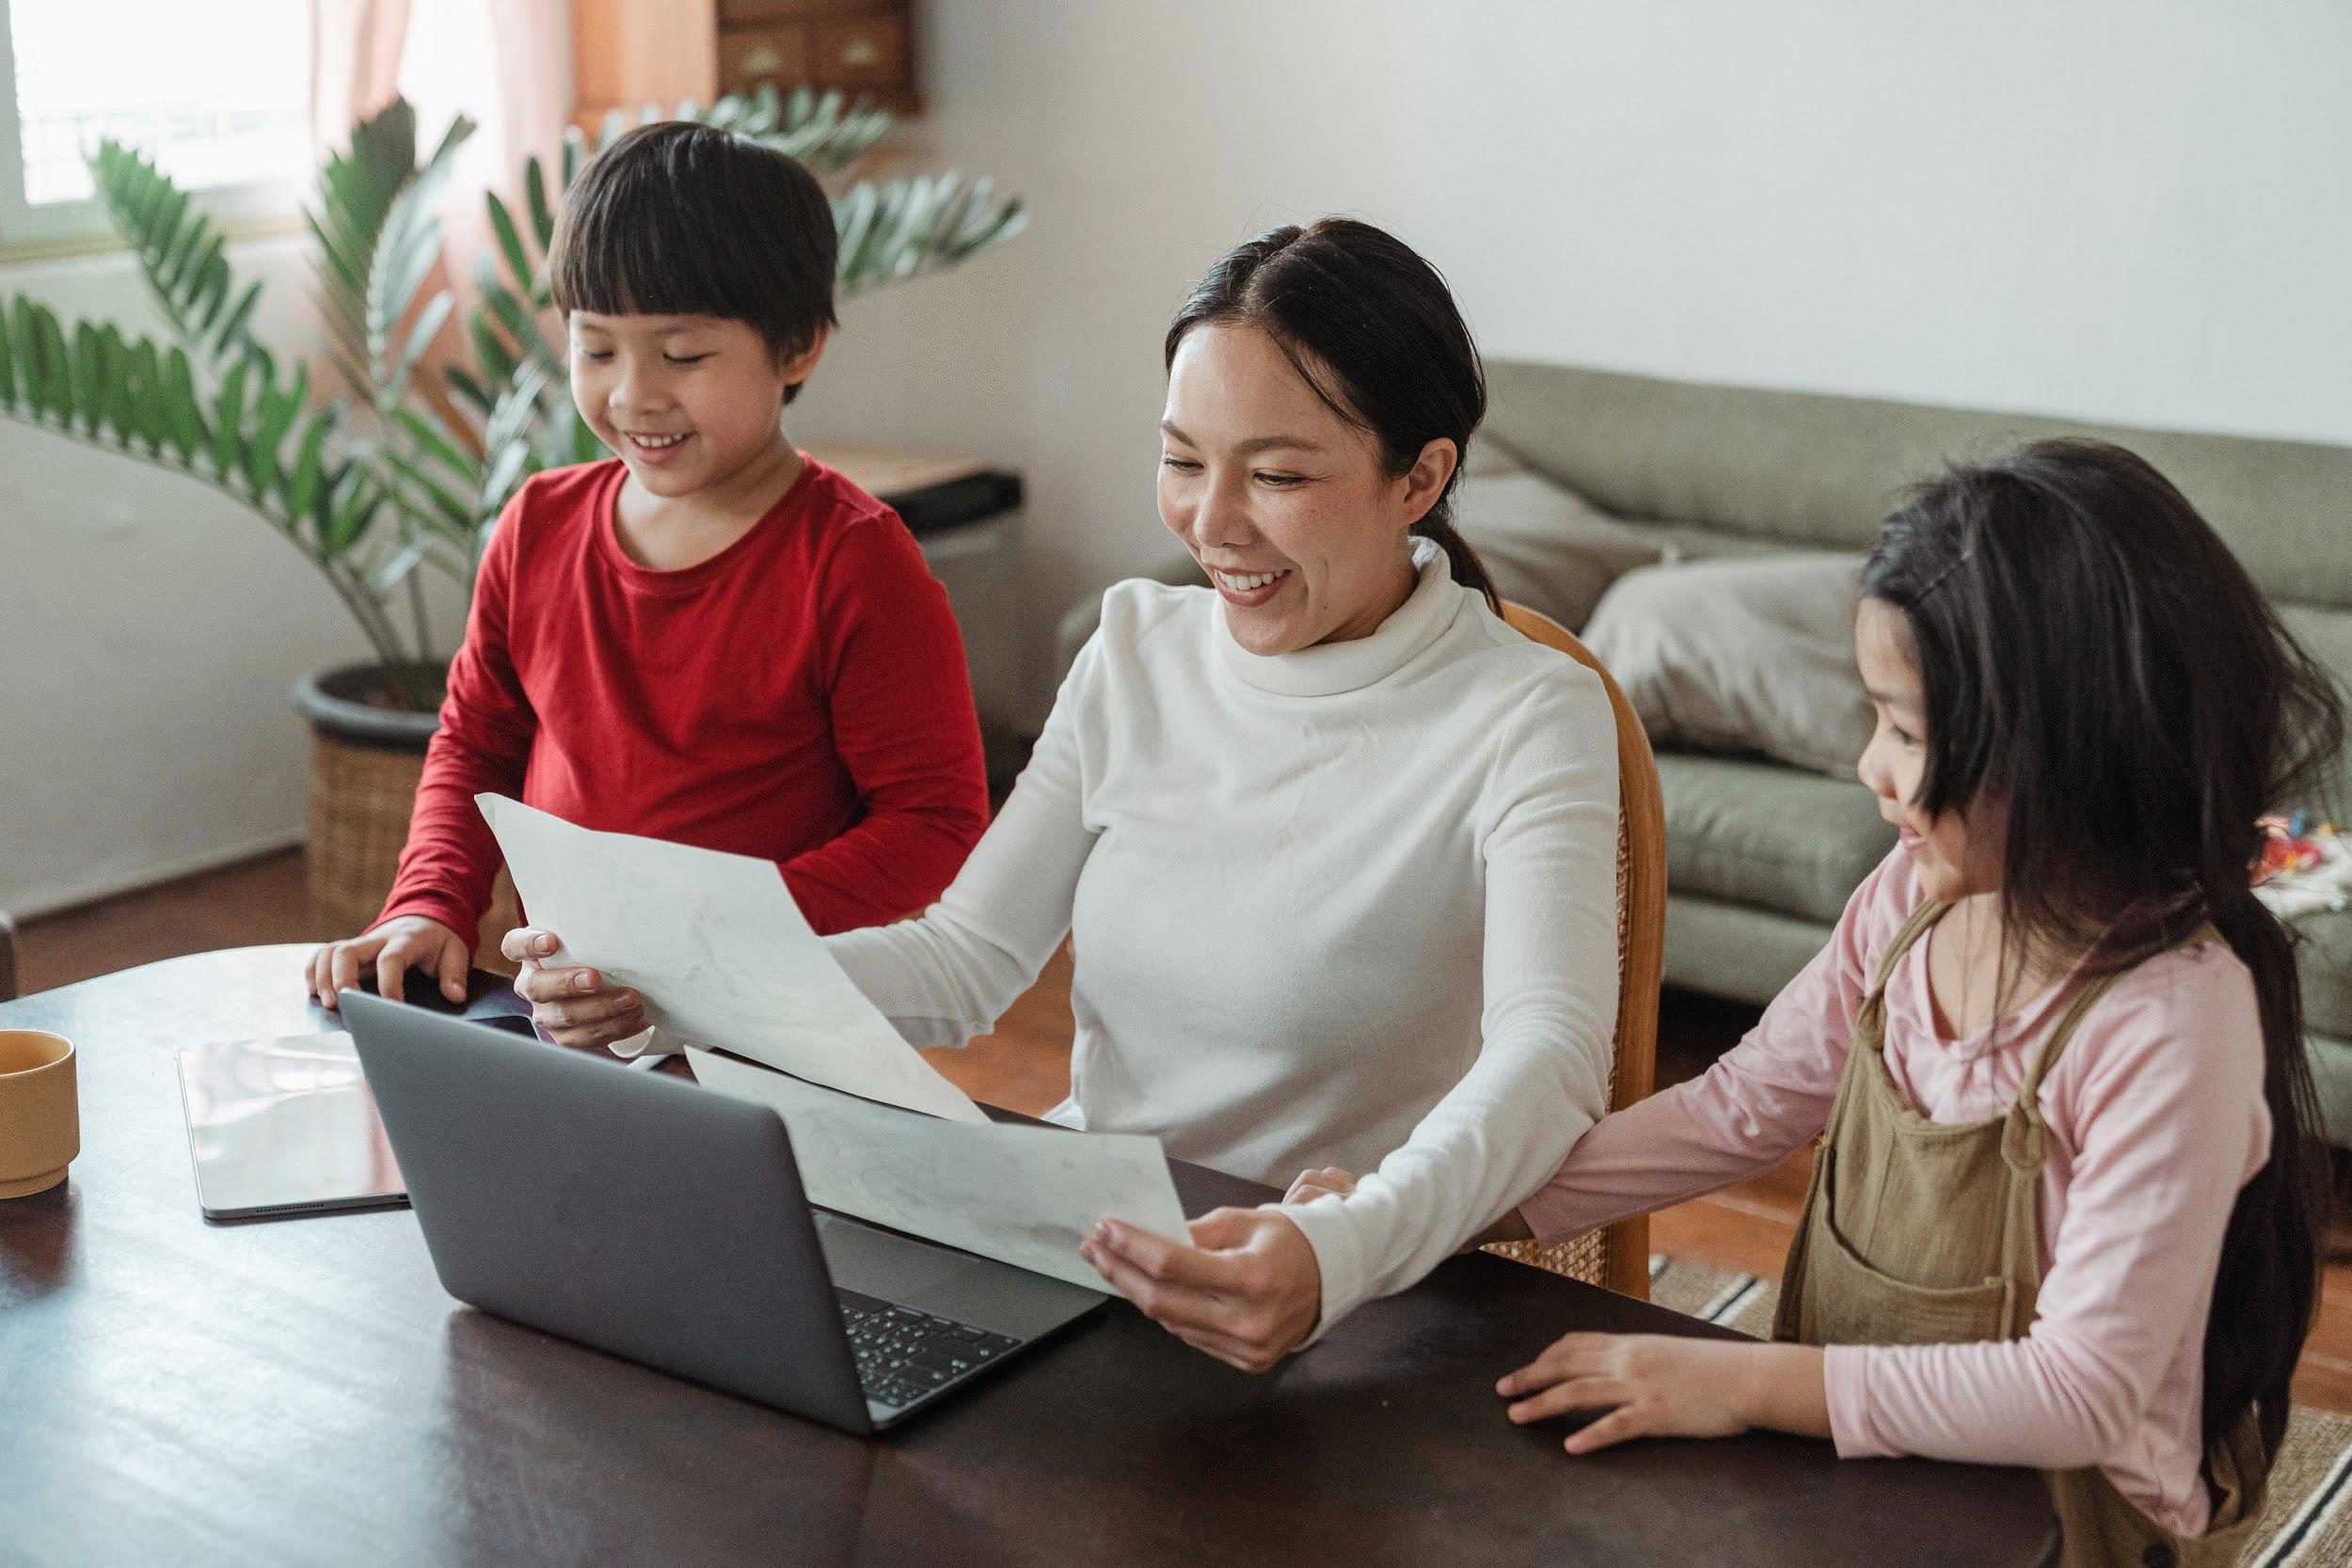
749,56
631,52
752,11
864,54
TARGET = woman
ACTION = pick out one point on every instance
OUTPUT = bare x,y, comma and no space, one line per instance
1335,844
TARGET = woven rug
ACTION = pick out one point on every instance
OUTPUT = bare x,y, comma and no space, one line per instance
2308,1523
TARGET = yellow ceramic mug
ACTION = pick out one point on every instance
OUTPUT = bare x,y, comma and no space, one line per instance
40,1125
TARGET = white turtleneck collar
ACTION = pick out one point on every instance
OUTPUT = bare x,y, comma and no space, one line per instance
1330,668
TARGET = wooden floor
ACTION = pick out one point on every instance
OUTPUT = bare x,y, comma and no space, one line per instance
1025,1065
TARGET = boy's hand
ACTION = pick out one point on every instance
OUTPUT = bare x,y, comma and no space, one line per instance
572,1006
395,947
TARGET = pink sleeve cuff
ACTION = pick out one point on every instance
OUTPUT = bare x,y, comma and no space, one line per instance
1555,1213
1845,1379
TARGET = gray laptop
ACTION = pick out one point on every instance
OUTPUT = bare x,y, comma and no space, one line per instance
666,1224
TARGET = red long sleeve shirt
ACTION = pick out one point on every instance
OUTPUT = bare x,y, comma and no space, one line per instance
801,696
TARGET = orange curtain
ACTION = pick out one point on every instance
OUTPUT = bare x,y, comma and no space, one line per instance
505,64
355,47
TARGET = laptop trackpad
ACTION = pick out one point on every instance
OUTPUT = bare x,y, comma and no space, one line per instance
991,1295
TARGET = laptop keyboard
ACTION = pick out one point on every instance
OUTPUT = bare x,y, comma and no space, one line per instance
903,1356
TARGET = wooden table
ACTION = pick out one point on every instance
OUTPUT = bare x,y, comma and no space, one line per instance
302,1391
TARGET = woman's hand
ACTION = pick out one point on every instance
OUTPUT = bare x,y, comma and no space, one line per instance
571,1006
1662,1385
1247,1290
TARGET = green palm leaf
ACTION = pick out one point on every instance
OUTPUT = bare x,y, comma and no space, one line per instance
927,223
84,395
377,235
7,366
275,411
183,422
230,413
408,243
181,253
41,347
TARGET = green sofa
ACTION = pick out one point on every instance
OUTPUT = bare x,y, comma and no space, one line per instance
1761,857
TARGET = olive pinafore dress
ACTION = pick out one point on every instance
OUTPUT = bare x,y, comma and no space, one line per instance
1919,1232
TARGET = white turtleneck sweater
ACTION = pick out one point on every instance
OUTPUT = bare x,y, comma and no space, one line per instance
1351,906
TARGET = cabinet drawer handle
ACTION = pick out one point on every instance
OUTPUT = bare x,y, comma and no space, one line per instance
861,52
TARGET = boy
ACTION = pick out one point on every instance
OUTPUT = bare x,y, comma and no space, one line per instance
708,639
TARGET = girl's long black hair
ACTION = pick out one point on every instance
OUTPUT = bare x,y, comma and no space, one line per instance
2094,657
1371,328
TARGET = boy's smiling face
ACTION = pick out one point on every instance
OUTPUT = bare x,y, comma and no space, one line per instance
689,403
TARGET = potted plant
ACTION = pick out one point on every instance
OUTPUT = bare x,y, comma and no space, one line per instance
405,473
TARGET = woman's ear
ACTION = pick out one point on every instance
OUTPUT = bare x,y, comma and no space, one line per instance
1426,479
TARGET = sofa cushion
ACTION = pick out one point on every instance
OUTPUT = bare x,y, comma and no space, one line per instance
1818,473
1545,546
2322,959
1742,655
1754,833
2326,636
1692,541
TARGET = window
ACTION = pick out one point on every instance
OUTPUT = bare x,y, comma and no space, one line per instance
216,91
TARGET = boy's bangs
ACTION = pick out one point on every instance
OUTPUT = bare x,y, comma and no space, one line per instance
634,258
675,219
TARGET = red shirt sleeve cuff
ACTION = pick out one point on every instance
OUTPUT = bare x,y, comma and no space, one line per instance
434,906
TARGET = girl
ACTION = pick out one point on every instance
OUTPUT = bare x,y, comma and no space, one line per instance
2051,1053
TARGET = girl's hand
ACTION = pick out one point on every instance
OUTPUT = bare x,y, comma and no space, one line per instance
573,1005
1247,1290
1661,1386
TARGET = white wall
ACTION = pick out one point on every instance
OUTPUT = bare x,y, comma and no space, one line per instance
149,630
2132,210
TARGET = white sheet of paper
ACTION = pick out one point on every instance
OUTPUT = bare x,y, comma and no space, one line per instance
1025,1195
719,950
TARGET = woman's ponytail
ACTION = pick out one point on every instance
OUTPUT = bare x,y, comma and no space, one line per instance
1461,560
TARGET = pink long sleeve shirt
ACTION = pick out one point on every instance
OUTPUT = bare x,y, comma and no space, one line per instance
2156,1119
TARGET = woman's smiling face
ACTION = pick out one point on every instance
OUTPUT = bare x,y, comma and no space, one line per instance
1288,506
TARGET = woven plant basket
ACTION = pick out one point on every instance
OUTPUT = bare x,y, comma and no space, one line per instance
360,798
365,761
